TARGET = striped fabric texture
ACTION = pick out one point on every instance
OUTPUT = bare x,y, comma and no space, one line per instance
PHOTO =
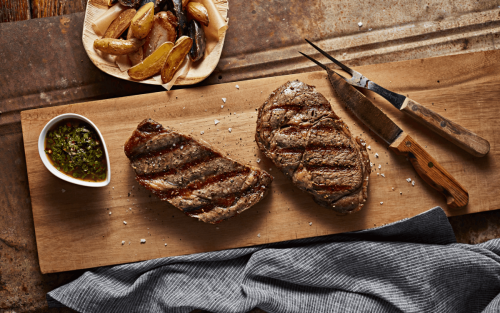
414,265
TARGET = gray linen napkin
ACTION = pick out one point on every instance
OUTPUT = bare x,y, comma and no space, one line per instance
414,265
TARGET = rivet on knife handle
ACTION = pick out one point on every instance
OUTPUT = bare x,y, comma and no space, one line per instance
455,133
431,171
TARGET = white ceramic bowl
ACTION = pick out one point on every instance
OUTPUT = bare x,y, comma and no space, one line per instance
61,175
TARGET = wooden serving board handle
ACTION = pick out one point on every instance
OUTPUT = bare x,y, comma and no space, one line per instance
455,133
431,171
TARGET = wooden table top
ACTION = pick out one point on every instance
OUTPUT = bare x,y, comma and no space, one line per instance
29,80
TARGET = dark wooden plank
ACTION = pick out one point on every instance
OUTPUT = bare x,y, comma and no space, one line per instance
48,8
15,10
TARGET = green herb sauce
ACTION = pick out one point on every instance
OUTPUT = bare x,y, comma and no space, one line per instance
75,149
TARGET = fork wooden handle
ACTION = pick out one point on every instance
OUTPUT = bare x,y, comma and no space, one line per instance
455,133
431,171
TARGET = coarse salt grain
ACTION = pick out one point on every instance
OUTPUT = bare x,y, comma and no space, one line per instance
237,87
222,106
381,202
363,144
371,164
258,160
380,166
143,240
123,242
310,223
369,147
413,183
124,222
216,122
383,175
224,100
392,188
360,24
229,129
378,174
258,235
408,180
165,245
202,132
109,213
376,155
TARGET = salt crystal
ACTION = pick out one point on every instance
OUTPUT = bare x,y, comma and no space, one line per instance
229,129
143,240
216,122
165,245
369,147
237,87
383,175
392,188
381,202
378,174
380,166
408,180
124,222
182,147
360,24
376,155
258,235
224,100
258,160
123,242
371,164
222,106
369,29
413,183
310,223
202,132
109,213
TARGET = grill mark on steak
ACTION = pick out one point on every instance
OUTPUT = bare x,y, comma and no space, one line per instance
314,147
197,179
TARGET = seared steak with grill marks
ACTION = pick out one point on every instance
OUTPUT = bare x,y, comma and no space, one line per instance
191,175
299,132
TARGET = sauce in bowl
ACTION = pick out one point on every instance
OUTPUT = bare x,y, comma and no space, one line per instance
74,148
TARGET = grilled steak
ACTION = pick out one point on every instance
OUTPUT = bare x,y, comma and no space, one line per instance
191,175
299,132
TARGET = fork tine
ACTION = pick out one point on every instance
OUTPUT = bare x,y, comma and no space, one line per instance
320,64
345,68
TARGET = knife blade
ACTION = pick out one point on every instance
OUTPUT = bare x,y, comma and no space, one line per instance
400,142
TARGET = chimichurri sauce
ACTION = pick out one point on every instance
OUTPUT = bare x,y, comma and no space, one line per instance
75,149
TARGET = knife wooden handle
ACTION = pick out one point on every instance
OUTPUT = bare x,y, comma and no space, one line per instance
431,171
455,133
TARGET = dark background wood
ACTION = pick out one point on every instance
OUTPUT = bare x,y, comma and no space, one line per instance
37,70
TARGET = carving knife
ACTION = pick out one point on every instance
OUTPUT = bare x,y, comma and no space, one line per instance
399,141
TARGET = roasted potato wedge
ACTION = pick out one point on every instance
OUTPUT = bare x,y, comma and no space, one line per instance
137,56
159,4
120,24
142,22
153,64
197,11
130,3
175,58
180,14
196,33
117,46
163,30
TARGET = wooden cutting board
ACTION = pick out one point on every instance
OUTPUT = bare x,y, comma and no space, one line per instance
74,227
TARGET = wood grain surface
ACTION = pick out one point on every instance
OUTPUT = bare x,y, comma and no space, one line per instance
74,229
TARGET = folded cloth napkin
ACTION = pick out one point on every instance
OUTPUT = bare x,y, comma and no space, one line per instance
414,265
